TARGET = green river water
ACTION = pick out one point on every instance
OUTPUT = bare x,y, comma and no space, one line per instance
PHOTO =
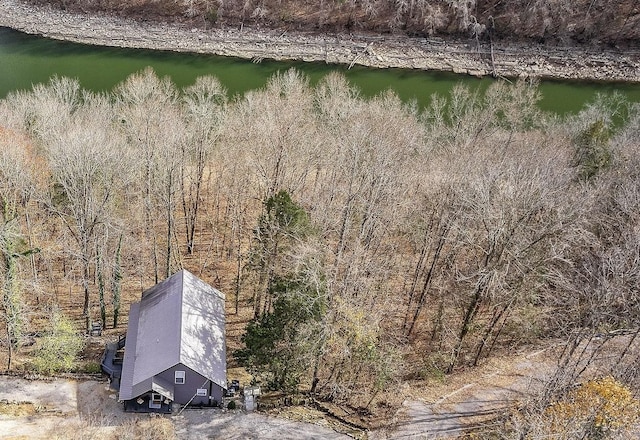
27,60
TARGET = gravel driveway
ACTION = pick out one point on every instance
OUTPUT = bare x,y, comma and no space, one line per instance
240,425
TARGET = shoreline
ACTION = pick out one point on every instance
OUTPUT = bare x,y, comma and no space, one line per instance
435,54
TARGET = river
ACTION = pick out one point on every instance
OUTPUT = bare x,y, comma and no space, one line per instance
27,60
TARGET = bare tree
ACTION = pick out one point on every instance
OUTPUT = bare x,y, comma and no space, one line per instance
276,128
359,203
88,165
153,128
204,107
12,248
429,233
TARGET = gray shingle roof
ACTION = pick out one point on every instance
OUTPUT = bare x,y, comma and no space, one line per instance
178,321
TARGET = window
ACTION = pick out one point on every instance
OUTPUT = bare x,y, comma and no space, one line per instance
179,376
201,392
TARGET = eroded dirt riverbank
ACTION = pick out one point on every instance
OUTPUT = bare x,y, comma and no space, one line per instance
373,51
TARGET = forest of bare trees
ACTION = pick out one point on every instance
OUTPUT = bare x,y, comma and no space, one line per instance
372,241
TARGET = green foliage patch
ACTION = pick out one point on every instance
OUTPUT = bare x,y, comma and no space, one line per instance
59,349
593,153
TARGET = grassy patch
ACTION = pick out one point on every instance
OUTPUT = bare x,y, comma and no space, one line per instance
17,409
90,367
154,428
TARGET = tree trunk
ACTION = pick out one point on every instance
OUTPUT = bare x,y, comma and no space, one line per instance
85,287
428,279
100,277
116,284
169,226
86,274
472,309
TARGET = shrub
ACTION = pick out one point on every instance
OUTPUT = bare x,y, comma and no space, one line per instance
598,409
593,153
231,404
91,368
59,348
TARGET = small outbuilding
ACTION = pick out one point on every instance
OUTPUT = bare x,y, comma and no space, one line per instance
175,347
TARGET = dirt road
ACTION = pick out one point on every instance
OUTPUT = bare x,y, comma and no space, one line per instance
448,410
431,411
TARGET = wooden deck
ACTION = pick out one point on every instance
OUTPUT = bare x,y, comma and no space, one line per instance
111,362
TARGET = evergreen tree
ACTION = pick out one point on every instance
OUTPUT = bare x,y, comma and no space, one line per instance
285,338
283,224
284,343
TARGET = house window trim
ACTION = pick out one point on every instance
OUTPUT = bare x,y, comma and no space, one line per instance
179,377
155,401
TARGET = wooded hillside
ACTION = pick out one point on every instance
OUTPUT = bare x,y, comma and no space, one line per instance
611,22
368,242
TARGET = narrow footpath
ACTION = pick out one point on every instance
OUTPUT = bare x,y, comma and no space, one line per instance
446,412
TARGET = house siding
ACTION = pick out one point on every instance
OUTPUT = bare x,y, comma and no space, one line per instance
184,392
